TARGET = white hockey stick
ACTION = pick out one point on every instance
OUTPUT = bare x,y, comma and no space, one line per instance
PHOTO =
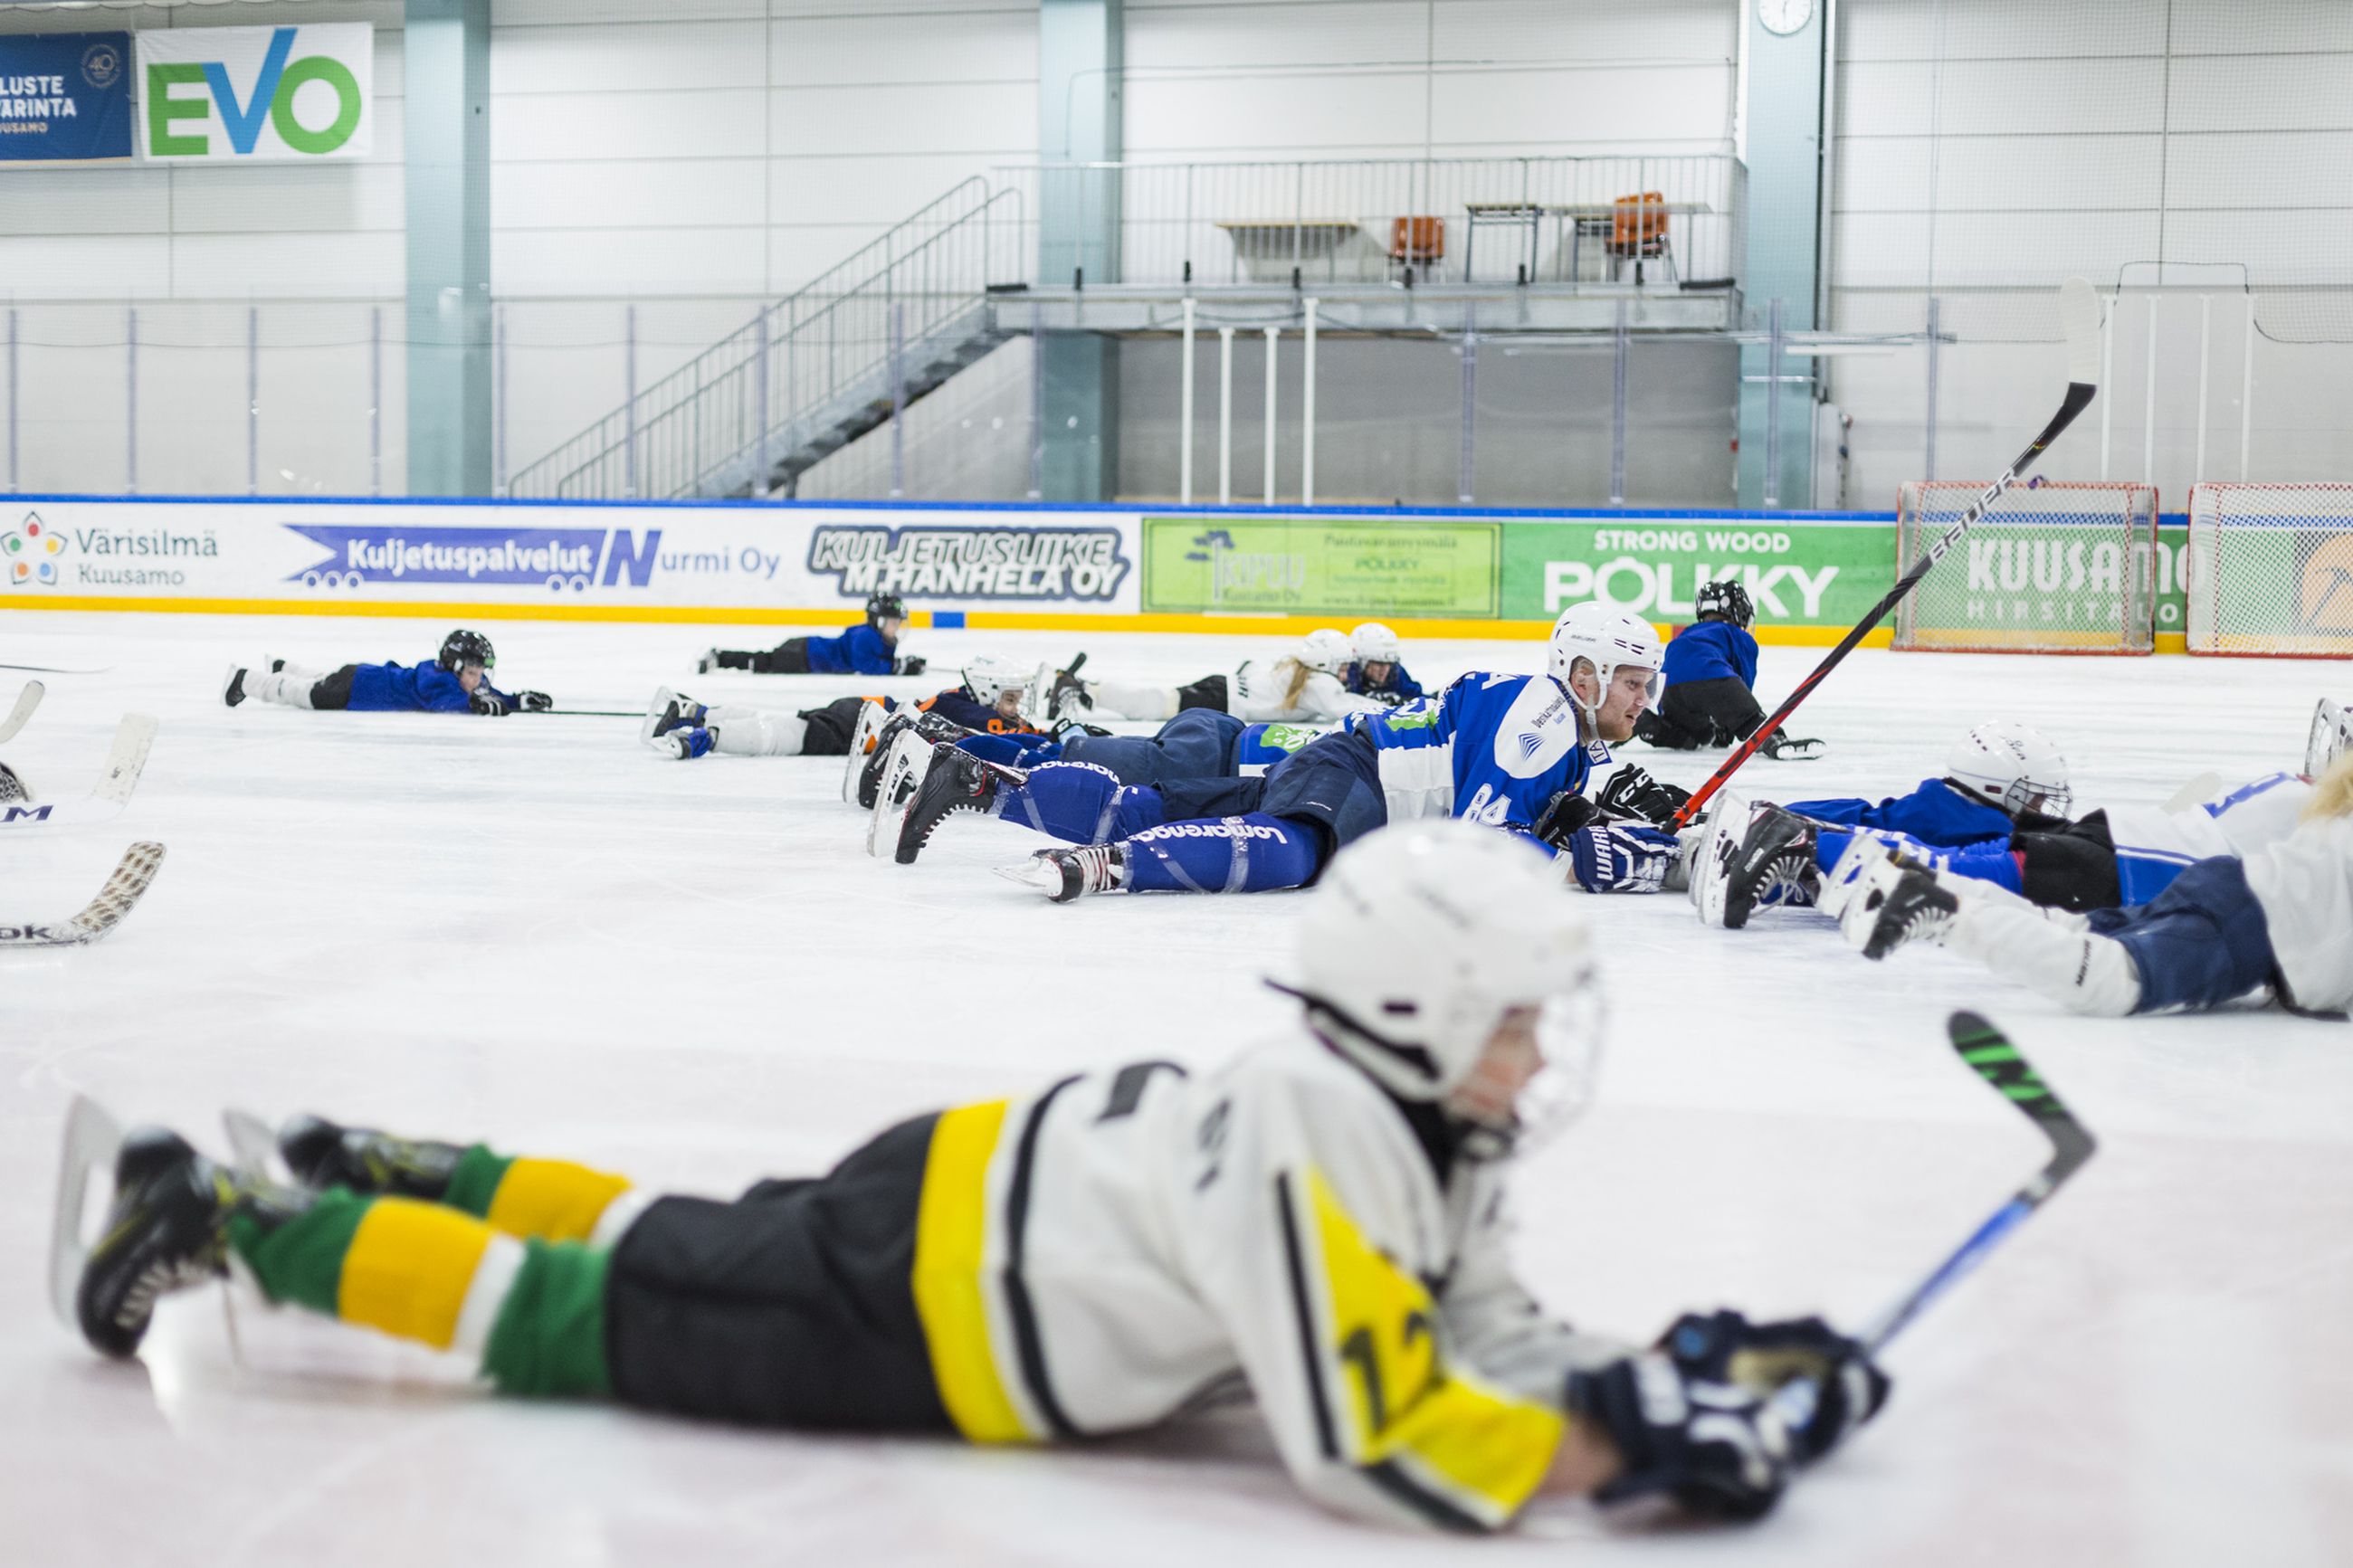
26,700
132,740
101,914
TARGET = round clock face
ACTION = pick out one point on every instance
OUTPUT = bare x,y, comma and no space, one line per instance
1784,16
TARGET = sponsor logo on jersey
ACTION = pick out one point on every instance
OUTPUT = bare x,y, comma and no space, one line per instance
1537,730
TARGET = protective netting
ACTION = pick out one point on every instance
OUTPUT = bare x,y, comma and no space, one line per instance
2270,568
2059,568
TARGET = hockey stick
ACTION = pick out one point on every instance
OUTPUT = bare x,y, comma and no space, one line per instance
101,914
587,712
2079,314
2009,1074
132,739
26,700
59,669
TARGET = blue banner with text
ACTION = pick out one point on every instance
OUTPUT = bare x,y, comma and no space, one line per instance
65,96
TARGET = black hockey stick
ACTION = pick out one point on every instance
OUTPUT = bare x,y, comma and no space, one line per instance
2079,314
57,668
587,712
2011,1075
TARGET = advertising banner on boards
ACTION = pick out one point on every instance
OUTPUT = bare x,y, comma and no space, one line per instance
65,96
1436,569
234,95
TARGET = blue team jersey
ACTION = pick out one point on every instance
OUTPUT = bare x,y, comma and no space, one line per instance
1711,650
861,650
1935,813
1490,748
397,688
959,707
1399,687
1260,746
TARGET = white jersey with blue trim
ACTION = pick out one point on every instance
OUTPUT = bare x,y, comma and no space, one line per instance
2154,845
1490,748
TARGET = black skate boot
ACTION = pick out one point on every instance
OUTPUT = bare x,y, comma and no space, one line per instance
957,781
233,686
1068,692
1774,865
322,1154
1782,747
1915,907
670,710
167,1228
870,777
1077,871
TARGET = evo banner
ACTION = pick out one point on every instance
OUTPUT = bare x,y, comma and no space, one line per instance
617,562
250,95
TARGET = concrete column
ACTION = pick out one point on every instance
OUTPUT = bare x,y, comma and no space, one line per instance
446,59
1080,53
1785,117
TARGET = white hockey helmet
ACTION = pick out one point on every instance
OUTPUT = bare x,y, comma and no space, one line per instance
1323,649
1418,940
990,676
2013,766
1605,639
1374,643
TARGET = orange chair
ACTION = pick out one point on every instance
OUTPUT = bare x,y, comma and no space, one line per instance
1417,242
1638,233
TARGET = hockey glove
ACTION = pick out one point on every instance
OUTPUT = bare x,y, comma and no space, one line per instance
1724,1346
1563,814
1063,729
910,664
1618,858
488,703
533,702
1630,791
1717,1448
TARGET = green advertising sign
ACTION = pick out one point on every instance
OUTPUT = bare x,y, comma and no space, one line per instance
1438,569
1800,573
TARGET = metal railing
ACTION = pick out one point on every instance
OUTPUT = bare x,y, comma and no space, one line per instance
714,425
1553,222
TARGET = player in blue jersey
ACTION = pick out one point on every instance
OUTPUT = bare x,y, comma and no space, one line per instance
872,649
987,702
456,682
1525,754
1711,676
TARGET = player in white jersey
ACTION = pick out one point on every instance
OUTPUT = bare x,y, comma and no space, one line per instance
1320,1220
2276,915
1308,685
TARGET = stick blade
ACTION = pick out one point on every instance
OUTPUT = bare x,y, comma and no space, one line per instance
132,739
1990,1054
2079,317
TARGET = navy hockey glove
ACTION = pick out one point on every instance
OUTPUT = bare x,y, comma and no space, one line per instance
909,664
1726,1347
488,703
1630,791
532,702
1717,1448
1619,857
1563,814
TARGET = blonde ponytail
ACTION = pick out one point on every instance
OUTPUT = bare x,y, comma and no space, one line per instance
2332,791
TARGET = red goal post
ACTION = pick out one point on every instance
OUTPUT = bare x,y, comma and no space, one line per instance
2269,571
2051,568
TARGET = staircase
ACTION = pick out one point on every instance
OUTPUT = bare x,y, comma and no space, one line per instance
810,373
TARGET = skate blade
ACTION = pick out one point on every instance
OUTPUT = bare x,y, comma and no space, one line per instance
254,1147
92,1140
663,697
1725,829
1034,875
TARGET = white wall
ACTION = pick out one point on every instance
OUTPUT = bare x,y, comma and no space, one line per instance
1985,149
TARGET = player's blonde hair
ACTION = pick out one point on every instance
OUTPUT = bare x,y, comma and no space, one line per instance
2332,791
1300,674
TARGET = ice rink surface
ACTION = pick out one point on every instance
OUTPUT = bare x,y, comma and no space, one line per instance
534,930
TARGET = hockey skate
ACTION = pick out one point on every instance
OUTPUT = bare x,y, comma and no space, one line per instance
233,686
1072,871
1727,824
865,745
1896,901
903,766
167,1228
1774,867
686,745
1863,851
1068,692
957,781
320,1154
669,710
1781,747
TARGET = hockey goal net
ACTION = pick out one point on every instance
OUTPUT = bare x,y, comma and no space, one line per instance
2057,568
2270,570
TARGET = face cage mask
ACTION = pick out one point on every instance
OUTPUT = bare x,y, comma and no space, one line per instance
2024,795
1569,1031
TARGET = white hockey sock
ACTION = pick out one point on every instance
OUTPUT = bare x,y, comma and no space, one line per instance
745,732
1126,700
2083,971
289,689
1967,887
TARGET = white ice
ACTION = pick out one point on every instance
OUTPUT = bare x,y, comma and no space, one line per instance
534,930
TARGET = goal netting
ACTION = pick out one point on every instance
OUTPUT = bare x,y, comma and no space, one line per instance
2058,568
2270,570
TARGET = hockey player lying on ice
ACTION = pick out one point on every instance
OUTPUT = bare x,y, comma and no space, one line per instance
1318,1221
1711,673
456,682
1516,752
2279,917
1323,681
872,649
988,701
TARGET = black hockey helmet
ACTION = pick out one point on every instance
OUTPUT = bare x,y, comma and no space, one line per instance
883,607
1727,598
460,648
